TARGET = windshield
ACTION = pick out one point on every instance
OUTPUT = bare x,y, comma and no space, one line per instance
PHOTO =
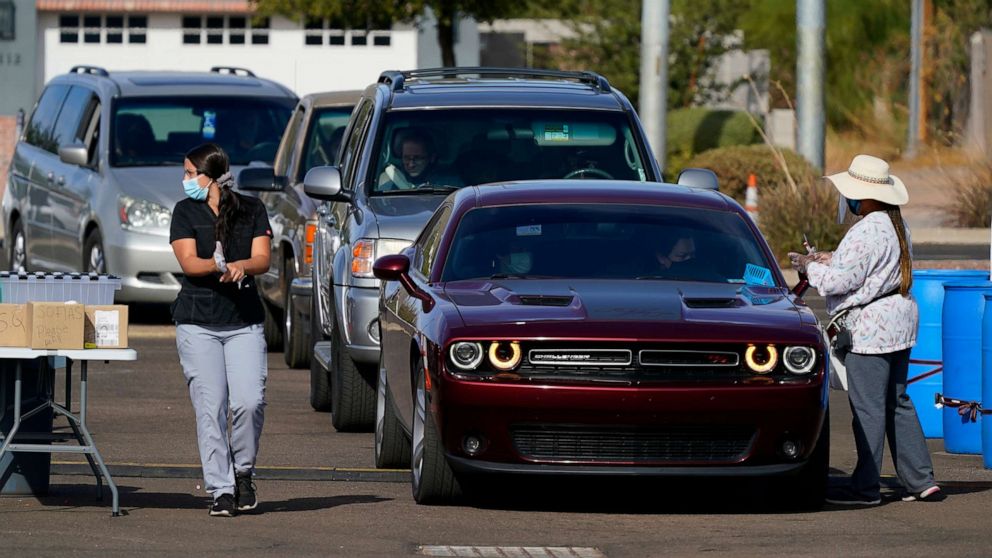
159,131
586,241
447,149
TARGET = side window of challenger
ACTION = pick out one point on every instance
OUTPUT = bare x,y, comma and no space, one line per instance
430,240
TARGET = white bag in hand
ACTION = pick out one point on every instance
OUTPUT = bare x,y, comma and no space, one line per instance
219,258
836,368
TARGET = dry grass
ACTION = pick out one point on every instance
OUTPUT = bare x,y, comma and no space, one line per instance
972,201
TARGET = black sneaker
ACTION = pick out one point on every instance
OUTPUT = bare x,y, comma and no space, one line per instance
244,490
847,497
932,494
223,506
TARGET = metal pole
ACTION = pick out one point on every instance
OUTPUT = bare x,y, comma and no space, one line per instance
654,74
915,63
810,31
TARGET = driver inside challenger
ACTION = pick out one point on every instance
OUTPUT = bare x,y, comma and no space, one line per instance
419,168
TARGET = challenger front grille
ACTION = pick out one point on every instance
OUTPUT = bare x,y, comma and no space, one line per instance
675,444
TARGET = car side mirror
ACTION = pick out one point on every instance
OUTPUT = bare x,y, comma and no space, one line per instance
75,154
324,183
704,179
397,268
259,179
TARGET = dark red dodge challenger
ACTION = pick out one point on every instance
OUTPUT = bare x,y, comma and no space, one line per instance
597,327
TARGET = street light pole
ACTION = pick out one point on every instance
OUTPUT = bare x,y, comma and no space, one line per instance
810,31
915,64
654,74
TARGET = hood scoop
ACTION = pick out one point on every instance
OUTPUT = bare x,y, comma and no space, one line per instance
711,302
546,300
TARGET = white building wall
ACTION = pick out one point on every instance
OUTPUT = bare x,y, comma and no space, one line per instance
286,59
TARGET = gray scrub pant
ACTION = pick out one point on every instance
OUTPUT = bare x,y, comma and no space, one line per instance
225,367
881,408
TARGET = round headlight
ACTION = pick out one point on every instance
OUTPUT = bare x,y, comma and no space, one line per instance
504,356
466,355
761,359
799,360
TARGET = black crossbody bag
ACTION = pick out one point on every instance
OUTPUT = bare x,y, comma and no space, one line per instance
840,336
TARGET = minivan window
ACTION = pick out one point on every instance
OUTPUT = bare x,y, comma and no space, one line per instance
159,131
77,105
452,148
324,138
40,130
603,241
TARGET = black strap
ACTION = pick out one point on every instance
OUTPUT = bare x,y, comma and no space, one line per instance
893,292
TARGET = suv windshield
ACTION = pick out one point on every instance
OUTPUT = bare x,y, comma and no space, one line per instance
159,131
586,241
447,149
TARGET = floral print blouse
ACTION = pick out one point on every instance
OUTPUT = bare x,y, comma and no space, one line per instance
865,266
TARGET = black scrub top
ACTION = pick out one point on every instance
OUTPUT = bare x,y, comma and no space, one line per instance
205,300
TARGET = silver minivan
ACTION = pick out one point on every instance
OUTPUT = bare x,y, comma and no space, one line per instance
98,168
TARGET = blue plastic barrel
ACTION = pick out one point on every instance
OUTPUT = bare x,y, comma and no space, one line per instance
986,420
925,376
964,305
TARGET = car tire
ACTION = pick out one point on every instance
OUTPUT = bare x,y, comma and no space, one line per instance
806,490
431,476
320,379
272,328
94,258
18,248
352,394
392,446
296,346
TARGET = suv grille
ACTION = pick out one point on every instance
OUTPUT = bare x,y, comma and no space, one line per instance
677,444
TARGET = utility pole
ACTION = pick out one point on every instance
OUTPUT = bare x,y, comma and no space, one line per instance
915,77
811,31
654,74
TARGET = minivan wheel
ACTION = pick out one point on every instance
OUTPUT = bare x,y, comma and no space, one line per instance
271,328
95,260
296,345
320,379
18,248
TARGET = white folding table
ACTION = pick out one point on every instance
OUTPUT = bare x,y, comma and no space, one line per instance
76,422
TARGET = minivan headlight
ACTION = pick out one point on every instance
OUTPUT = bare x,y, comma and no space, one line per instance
799,360
144,216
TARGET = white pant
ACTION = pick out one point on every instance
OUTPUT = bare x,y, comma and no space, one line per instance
225,368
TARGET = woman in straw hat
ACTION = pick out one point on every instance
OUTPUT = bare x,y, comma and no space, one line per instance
866,282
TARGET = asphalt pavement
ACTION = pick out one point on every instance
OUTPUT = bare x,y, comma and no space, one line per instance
321,496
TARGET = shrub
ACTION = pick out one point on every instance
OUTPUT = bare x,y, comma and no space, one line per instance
732,165
784,215
972,197
694,130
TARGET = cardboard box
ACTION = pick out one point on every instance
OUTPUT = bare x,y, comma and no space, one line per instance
13,325
106,327
55,325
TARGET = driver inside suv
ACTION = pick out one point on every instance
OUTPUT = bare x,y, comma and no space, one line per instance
419,166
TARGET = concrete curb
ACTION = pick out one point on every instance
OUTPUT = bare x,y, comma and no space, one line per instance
160,471
949,235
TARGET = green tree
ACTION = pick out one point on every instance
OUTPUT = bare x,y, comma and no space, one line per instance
608,38
382,13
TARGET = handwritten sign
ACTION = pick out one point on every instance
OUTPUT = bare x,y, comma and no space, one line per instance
13,326
55,325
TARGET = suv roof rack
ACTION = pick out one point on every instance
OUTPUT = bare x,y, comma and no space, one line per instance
396,79
232,70
91,70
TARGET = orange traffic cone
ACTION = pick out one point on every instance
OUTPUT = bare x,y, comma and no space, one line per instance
751,197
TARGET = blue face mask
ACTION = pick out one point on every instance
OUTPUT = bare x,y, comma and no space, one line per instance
193,189
854,206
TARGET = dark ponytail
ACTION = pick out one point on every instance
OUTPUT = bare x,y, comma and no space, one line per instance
905,258
210,160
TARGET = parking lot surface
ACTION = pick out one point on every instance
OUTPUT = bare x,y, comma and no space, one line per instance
321,496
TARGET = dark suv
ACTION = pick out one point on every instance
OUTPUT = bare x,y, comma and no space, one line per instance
413,138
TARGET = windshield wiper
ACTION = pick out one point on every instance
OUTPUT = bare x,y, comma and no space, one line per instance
424,190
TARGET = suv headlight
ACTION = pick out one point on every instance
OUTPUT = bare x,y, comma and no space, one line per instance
365,251
144,216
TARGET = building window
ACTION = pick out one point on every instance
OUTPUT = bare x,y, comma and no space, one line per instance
380,38
115,29
7,21
215,30
313,33
91,28
236,30
359,38
69,28
260,31
192,28
335,33
137,29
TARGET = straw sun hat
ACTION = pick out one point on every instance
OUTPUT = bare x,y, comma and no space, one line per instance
868,178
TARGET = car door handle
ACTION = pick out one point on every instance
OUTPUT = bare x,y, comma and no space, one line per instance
61,181
51,177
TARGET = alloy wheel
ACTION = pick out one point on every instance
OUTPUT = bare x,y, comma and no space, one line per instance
380,409
97,261
419,419
18,258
